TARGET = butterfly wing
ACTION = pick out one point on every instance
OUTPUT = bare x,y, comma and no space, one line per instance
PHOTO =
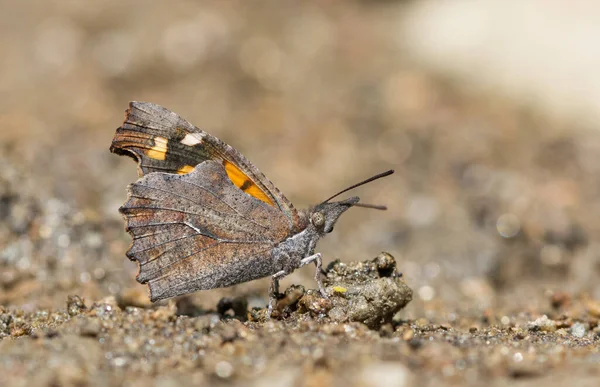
162,141
199,231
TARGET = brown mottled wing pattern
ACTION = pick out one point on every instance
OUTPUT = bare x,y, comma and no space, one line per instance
199,231
162,141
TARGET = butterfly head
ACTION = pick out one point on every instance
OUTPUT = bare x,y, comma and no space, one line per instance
323,216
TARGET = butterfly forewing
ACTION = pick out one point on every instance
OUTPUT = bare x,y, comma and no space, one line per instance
199,231
162,141
152,135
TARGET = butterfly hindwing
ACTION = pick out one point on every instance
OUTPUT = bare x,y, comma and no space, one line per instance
199,231
162,141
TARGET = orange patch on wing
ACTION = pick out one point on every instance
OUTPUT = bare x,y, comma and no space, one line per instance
159,150
185,169
243,182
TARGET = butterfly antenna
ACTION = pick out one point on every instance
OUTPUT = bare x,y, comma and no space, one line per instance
370,179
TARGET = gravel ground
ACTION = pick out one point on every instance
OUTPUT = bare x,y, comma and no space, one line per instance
491,268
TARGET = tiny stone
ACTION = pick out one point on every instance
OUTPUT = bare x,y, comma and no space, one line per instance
315,304
542,324
578,330
75,305
224,369
386,264
408,334
290,299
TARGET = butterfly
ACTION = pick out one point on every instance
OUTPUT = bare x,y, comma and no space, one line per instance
202,216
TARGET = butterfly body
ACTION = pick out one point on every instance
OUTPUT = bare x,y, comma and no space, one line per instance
203,217
289,253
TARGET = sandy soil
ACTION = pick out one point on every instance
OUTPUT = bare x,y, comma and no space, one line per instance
492,218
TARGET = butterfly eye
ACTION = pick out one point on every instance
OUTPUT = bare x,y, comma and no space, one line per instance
318,219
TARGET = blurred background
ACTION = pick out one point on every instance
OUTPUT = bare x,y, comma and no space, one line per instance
486,110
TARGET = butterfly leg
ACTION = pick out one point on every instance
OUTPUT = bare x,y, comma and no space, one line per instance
274,290
316,258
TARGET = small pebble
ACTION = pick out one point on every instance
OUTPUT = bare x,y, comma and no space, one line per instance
578,330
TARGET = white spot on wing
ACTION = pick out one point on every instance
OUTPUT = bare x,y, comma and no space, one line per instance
192,139
193,227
